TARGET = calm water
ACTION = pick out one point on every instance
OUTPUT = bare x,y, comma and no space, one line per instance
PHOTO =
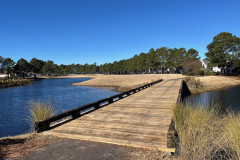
60,92
229,98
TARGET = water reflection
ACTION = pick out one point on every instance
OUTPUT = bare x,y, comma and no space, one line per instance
228,98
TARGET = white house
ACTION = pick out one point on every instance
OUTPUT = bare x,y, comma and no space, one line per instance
205,65
216,69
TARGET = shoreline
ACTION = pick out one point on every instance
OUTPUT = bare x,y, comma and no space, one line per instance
16,86
71,76
195,91
113,88
9,83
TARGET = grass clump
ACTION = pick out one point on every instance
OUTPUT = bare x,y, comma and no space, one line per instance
40,110
204,133
192,82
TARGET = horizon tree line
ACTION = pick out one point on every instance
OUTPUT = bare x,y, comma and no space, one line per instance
224,49
160,59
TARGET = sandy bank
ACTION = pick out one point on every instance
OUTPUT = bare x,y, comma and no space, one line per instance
125,82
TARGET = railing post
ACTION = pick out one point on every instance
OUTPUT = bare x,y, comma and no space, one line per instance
97,105
110,100
41,126
120,96
76,115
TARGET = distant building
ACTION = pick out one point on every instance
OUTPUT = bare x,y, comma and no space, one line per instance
216,69
204,64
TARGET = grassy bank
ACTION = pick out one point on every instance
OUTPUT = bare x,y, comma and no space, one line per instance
209,83
207,133
126,82
13,82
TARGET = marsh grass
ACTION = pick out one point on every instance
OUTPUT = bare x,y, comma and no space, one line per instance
206,133
232,133
39,111
11,82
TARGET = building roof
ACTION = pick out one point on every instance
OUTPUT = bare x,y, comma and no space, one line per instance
205,61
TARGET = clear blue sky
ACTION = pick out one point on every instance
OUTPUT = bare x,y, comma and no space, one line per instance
80,31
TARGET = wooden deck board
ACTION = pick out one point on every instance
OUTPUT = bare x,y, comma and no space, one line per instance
141,119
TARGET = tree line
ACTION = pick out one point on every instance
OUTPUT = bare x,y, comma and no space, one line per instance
155,60
224,49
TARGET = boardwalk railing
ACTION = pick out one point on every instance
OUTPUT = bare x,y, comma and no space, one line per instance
45,124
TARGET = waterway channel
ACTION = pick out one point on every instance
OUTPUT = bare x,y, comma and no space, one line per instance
63,96
228,98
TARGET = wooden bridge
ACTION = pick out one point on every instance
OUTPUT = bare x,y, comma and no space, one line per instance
139,120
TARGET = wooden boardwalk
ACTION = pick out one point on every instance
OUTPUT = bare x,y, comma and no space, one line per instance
140,120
